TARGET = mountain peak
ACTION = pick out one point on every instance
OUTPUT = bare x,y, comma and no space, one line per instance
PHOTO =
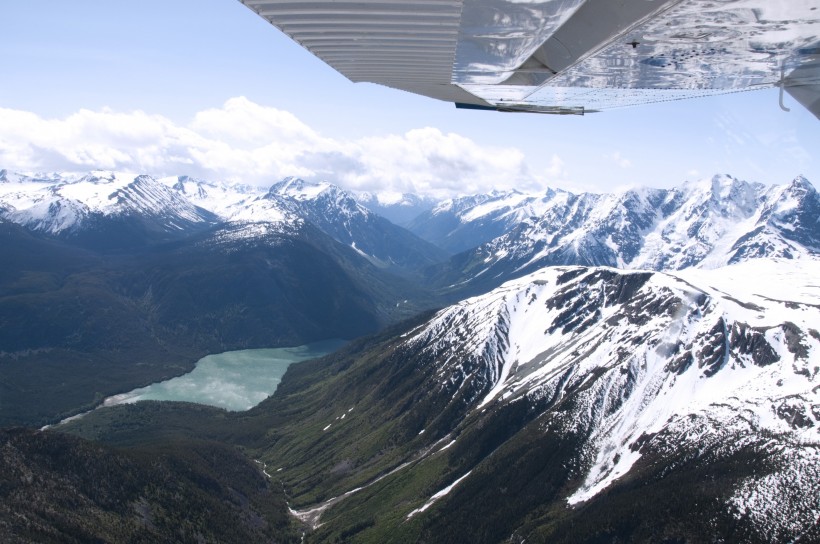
307,195
800,183
104,177
723,182
705,223
299,189
181,181
74,204
796,194
521,341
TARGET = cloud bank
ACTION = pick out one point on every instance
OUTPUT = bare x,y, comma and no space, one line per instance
247,142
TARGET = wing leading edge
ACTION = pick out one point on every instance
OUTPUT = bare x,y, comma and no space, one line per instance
562,56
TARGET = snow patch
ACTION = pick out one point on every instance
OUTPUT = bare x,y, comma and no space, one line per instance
432,500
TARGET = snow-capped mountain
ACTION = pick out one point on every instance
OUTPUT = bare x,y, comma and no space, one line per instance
642,353
337,213
70,205
578,402
100,207
574,403
462,223
217,197
327,206
725,220
648,362
398,208
333,211
707,224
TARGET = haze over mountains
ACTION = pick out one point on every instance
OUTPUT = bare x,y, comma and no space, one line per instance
634,366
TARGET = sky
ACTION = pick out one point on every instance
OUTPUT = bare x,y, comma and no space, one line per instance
207,88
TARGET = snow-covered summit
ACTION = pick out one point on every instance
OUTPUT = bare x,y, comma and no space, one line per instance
220,198
336,212
299,189
707,223
630,361
399,208
59,203
310,197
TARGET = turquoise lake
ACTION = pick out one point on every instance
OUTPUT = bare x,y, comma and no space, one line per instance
234,380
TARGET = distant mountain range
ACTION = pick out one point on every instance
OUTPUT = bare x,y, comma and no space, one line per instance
462,223
398,208
106,210
103,210
635,366
705,224
497,236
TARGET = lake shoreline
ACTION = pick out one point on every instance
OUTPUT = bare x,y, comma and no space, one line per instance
233,380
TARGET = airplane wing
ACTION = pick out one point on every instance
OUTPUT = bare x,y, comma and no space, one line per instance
562,56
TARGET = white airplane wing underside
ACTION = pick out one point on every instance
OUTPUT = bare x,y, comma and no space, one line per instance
562,56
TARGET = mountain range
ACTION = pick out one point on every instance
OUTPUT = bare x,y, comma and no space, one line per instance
635,366
102,210
705,224
491,237
105,210
139,281
588,388
575,404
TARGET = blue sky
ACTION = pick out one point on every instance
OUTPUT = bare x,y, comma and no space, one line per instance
205,87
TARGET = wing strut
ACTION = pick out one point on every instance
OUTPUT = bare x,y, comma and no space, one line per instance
783,88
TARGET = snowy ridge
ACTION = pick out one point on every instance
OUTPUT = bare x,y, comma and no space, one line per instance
216,197
244,204
69,204
398,208
644,354
238,231
511,207
462,223
58,203
286,202
707,223
337,213
55,203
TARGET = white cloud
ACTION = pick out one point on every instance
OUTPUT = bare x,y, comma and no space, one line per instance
556,171
242,122
260,145
618,159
